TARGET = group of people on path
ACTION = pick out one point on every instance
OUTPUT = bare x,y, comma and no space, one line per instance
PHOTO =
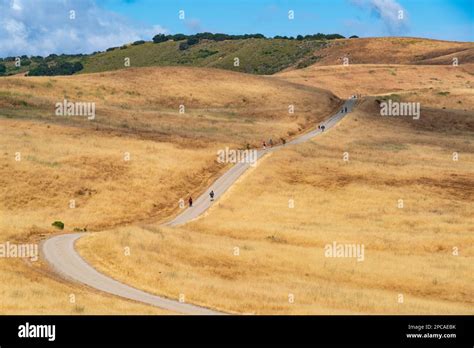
264,143
211,195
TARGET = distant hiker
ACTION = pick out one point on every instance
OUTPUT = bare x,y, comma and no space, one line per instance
270,142
264,145
319,126
211,194
345,109
323,127
190,201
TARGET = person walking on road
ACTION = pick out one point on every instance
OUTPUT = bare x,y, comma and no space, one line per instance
211,194
270,142
264,145
345,109
190,201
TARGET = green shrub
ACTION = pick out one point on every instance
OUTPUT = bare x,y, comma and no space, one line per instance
183,46
206,53
192,41
58,224
160,38
65,68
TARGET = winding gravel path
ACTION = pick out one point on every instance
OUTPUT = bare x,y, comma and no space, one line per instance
61,255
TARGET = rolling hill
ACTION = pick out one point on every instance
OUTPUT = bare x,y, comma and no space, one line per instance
172,155
263,56
394,50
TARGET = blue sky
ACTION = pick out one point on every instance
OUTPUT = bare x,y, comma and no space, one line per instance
44,26
440,19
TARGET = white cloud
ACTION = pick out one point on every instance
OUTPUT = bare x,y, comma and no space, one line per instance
35,27
393,15
16,5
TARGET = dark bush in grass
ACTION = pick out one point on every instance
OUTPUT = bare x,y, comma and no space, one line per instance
51,57
160,38
206,53
177,37
37,59
183,46
58,224
192,41
65,68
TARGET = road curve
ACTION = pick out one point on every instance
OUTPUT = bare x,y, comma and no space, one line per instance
61,255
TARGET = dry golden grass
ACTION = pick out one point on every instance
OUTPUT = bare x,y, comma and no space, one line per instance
395,50
171,156
426,83
26,290
281,249
220,106
408,251
59,164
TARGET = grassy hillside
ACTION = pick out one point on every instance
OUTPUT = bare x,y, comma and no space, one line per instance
220,106
257,56
408,251
422,81
263,56
269,56
395,50
172,156
58,64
